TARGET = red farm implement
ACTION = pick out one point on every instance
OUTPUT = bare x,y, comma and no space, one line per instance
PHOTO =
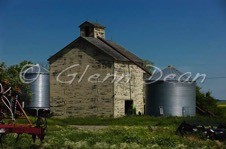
13,118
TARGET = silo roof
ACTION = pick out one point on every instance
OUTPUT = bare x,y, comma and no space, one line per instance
171,74
36,69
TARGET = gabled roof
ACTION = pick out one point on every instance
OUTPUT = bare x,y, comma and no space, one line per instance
102,46
124,51
93,24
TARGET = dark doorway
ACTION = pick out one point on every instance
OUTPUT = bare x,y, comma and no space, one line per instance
128,107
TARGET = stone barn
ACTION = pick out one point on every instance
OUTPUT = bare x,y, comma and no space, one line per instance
90,78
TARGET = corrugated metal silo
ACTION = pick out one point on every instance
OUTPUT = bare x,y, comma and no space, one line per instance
38,79
170,94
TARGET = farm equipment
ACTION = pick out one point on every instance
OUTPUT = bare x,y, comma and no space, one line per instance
209,130
11,110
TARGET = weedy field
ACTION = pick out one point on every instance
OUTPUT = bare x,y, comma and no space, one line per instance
135,132
222,105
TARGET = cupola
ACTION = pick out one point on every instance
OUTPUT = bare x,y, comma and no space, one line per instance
90,29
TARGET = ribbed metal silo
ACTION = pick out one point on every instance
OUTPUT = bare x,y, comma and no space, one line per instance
38,79
170,94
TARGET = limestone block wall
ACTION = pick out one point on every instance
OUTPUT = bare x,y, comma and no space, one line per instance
99,32
81,84
129,88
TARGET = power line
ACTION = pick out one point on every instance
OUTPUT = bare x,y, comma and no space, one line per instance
216,78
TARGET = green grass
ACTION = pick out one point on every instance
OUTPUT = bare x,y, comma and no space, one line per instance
129,121
126,132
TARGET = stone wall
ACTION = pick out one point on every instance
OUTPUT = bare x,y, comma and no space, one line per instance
81,82
99,32
129,87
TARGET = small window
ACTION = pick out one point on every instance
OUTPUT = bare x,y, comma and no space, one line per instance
87,31
185,111
161,112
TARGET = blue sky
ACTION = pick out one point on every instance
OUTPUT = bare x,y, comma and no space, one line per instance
188,34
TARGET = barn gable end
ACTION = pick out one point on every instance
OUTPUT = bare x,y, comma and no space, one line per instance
89,78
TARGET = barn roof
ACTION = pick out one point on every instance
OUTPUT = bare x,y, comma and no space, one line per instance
102,46
93,24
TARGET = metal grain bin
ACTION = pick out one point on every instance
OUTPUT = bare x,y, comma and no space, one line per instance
38,79
173,94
